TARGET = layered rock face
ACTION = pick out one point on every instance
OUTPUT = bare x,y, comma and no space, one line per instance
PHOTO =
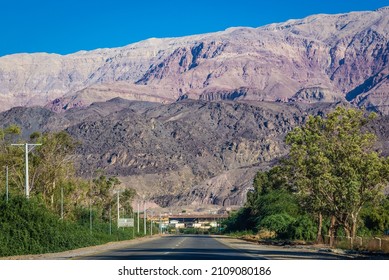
187,152
319,58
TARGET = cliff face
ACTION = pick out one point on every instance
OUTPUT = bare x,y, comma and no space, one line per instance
319,58
191,152
187,152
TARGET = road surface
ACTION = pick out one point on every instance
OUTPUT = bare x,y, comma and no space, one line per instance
204,247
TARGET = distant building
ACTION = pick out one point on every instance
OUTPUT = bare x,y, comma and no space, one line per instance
188,220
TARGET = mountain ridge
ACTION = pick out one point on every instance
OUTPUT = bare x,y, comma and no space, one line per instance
337,53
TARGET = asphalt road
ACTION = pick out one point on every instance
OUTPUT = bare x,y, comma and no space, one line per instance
203,247
175,247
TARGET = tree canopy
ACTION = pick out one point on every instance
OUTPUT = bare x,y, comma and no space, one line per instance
333,178
335,167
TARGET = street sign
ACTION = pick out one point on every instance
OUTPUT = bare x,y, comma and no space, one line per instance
126,222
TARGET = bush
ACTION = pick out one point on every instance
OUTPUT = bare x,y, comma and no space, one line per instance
28,227
303,228
279,223
375,218
238,221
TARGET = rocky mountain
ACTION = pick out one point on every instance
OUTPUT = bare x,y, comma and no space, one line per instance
322,58
190,152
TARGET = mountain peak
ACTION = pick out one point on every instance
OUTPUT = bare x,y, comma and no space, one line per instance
383,9
283,62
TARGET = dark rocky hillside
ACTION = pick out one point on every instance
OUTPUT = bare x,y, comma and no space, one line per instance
188,152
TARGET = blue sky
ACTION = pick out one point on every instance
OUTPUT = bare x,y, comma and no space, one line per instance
64,27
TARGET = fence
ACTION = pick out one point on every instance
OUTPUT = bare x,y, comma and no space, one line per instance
360,243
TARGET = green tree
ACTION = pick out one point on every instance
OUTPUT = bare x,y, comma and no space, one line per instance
273,204
309,169
11,157
102,194
335,168
375,217
51,164
126,197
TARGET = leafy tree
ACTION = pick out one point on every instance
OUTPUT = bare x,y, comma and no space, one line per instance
12,157
334,166
265,182
52,164
103,196
375,217
72,192
273,204
7,134
308,167
240,220
126,197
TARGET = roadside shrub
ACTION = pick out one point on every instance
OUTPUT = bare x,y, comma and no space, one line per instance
239,221
279,223
303,228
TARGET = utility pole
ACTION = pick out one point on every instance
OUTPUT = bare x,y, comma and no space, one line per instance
144,217
110,220
160,224
62,203
90,215
151,223
133,228
26,150
118,207
138,216
6,183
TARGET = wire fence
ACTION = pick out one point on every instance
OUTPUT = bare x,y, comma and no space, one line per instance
374,244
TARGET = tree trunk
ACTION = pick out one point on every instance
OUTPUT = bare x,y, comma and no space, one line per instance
319,239
354,220
52,195
331,230
347,231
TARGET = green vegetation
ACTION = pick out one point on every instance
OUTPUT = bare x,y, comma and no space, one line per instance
28,227
273,207
331,182
64,211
